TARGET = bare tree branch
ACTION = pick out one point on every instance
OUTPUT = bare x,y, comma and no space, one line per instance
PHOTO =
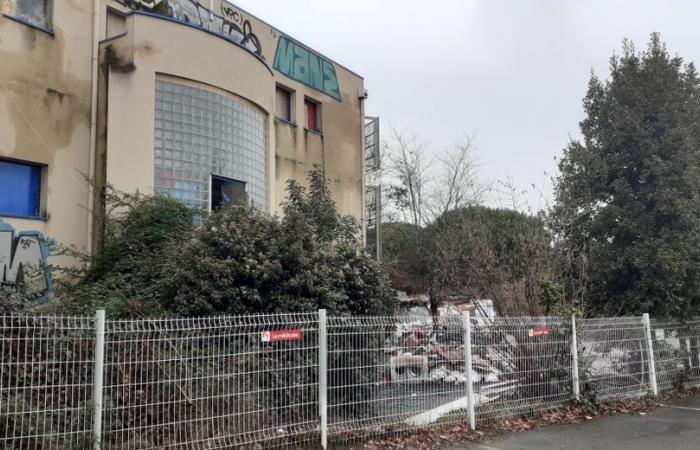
457,185
409,167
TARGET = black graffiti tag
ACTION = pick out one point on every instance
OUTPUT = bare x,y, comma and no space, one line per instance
25,243
235,25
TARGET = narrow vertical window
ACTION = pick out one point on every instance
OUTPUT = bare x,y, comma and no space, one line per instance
20,189
284,104
312,109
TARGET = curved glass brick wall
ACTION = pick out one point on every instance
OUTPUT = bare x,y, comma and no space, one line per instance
200,133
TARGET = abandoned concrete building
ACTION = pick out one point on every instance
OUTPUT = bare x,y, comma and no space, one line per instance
198,100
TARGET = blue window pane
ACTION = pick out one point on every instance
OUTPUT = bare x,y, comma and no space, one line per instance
20,188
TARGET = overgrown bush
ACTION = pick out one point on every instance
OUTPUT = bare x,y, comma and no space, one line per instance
237,260
244,261
138,231
12,299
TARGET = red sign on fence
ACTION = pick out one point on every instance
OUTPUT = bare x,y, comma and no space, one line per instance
281,336
534,332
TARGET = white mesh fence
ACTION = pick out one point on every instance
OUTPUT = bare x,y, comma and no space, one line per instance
676,353
614,357
211,383
390,374
46,370
258,381
521,365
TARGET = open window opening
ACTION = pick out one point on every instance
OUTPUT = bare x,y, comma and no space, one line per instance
226,191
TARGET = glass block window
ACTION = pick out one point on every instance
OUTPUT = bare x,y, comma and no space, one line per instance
200,134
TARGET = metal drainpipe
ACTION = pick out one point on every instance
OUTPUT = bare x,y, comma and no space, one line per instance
93,117
362,96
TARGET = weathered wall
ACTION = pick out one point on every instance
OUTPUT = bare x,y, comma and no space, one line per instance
45,113
45,82
294,150
149,45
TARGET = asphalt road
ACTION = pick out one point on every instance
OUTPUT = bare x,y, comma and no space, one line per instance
675,426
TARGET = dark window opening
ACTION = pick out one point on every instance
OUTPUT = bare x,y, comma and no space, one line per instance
225,191
312,115
20,189
283,108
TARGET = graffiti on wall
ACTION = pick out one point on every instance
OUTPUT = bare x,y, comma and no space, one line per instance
303,65
23,258
232,23
236,25
150,4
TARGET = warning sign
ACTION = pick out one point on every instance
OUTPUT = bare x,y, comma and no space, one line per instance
281,336
534,332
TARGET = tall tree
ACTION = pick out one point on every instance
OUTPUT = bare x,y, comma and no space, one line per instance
628,195
409,166
423,187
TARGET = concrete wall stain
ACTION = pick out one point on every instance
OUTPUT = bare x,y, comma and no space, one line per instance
54,94
45,112
33,69
146,47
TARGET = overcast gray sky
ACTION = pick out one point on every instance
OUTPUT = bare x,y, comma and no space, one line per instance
510,72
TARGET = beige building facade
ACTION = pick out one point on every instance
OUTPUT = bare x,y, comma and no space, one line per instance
196,99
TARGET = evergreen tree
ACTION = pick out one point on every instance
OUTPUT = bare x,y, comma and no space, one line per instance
628,195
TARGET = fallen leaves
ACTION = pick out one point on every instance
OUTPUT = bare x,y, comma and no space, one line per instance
459,434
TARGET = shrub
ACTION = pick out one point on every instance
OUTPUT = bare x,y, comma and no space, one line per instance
237,260
122,277
250,262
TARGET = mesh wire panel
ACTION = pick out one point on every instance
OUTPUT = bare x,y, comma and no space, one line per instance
676,353
521,365
253,382
211,383
390,374
614,357
46,372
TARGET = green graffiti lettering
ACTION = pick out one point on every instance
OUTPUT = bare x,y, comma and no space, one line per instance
315,74
301,64
284,57
298,63
330,80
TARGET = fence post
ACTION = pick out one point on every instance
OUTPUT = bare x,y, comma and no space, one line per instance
323,376
689,349
650,349
98,379
574,356
466,317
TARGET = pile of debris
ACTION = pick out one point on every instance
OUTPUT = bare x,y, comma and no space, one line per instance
423,352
